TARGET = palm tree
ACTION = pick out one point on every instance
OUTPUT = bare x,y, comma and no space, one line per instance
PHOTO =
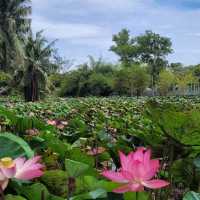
33,76
14,25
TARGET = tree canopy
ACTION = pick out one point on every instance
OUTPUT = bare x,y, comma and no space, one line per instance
38,68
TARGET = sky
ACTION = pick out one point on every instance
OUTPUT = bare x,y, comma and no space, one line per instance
86,27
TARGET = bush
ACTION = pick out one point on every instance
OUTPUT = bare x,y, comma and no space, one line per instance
100,85
131,81
5,79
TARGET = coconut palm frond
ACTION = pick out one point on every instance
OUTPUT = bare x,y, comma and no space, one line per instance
14,24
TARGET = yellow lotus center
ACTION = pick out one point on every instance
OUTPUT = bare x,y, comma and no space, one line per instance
7,162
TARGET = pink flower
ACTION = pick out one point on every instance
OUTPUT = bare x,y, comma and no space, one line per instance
28,170
7,170
19,168
3,181
137,171
52,122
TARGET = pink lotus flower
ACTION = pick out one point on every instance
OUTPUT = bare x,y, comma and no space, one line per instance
19,168
137,171
28,170
7,171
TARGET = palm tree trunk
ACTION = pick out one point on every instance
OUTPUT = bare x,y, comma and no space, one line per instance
34,89
4,60
27,93
153,85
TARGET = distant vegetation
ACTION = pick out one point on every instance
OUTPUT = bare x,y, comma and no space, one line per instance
31,63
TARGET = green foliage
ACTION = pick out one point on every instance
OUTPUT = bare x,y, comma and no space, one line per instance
37,191
192,196
55,144
14,24
170,126
96,194
136,196
12,197
100,85
74,168
149,48
124,47
13,146
184,79
21,123
165,82
153,49
5,79
94,78
97,78
55,81
79,138
56,182
39,51
33,76
74,83
197,162
132,81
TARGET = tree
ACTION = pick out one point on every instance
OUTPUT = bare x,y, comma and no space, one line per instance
100,66
184,80
76,82
58,64
124,47
132,81
176,67
100,85
149,48
137,79
166,81
5,80
70,85
120,86
34,73
153,49
196,71
14,24
92,78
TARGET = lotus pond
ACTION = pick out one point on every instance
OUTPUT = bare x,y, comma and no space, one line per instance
80,143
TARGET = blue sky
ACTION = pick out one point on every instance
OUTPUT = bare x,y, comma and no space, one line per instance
85,27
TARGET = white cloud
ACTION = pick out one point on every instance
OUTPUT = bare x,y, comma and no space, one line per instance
68,30
193,34
87,25
117,5
100,42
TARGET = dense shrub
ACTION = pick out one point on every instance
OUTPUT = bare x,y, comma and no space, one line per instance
5,79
